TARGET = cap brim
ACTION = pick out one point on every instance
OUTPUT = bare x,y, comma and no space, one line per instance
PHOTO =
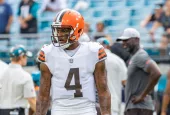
122,38
29,54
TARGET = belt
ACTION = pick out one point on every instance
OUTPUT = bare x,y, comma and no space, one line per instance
15,111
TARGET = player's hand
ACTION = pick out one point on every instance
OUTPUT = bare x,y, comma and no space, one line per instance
163,113
137,99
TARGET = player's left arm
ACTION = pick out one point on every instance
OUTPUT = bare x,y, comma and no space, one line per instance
102,88
154,74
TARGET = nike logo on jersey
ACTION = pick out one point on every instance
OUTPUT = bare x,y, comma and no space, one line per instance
71,60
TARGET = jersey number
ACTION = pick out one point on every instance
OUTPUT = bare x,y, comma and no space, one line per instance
77,86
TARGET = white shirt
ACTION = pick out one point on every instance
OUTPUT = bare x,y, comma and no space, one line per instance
15,86
3,66
116,73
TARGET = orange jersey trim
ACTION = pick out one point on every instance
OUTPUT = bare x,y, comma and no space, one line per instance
101,53
41,56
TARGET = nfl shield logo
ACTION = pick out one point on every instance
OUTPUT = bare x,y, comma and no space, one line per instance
71,60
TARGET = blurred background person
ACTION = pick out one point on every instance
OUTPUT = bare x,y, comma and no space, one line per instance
143,75
17,89
6,18
116,75
163,45
159,92
3,66
27,14
85,37
99,31
118,49
81,5
165,106
150,19
162,21
53,5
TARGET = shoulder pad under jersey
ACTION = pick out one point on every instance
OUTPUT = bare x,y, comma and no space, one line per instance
99,49
94,46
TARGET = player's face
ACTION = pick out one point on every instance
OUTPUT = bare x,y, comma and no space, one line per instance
129,44
63,34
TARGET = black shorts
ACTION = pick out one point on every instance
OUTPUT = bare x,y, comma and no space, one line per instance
139,112
20,111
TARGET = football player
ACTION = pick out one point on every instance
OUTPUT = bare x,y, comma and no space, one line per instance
71,71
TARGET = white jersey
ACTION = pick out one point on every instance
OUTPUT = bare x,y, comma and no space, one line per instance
72,82
116,73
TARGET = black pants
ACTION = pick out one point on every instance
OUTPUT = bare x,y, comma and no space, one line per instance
139,112
21,111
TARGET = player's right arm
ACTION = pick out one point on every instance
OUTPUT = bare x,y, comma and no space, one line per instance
102,88
43,100
166,97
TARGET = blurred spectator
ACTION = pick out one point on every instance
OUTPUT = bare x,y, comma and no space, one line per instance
166,98
118,49
17,88
163,21
53,5
100,32
165,40
3,66
6,19
149,20
143,75
27,13
160,92
116,74
81,5
85,37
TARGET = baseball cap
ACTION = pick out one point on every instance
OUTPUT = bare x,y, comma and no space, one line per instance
129,33
103,40
19,50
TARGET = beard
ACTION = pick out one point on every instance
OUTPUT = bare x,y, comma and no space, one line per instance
129,49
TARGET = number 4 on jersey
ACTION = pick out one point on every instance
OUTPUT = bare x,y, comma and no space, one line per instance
77,87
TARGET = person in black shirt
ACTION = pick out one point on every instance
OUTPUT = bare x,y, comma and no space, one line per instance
149,20
27,13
